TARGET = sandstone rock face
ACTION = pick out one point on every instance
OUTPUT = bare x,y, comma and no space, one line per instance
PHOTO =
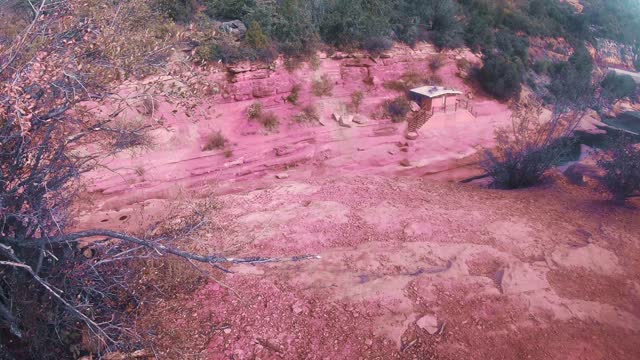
590,257
522,277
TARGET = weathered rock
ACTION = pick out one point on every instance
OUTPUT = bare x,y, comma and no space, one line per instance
346,119
262,91
359,120
522,277
411,135
590,257
429,323
235,28
405,162
234,163
282,176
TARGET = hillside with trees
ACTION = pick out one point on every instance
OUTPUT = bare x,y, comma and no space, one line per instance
252,179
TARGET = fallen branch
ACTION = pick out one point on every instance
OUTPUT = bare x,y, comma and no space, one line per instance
161,248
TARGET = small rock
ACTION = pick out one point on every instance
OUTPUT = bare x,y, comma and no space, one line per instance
359,120
404,149
227,331
337,117
341,123
429,323
347,119
412,135
297,308
282,176
405,162
234,163
368,342
361,149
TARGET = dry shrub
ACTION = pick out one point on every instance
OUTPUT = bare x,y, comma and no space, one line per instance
254,111
270,121
148,105
368,80
309,114
407,81
215,141
294,95
356,101
131,134
437,62
621,164
434,79
530,147
463,65
322,86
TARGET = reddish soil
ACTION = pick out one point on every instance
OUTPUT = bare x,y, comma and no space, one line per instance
544,273
507,274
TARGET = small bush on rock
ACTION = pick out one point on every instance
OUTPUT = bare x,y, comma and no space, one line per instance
622,169
530,147
397,109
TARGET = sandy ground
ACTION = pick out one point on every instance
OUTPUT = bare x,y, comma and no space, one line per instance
546,273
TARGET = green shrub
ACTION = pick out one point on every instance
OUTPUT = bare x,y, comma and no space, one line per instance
528,148
322,86
228,9
397,109
178,10
501,76
255,37
622,169
616,87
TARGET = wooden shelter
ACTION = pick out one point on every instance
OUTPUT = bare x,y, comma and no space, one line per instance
425,96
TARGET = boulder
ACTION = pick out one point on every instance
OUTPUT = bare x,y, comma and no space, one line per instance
236,28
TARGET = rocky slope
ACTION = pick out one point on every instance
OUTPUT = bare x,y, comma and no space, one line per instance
408,269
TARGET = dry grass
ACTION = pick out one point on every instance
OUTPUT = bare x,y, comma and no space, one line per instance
407,81
437,62
309,114
270,121
131,134
254,111
322,86
294,95
215,141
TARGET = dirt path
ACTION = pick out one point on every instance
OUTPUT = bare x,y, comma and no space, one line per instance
546,273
